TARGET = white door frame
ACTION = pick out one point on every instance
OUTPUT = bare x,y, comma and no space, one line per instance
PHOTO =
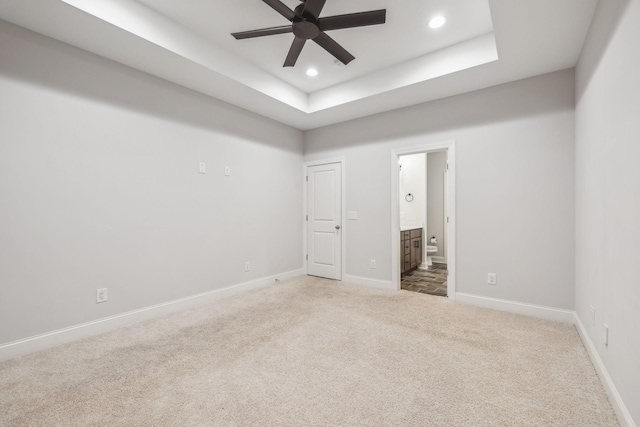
343,220
446,214
449,146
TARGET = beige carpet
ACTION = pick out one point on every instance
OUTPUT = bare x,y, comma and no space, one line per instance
312,352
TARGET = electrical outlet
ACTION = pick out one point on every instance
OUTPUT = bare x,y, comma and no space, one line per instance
605,335
247,266
227,171
101,295
492,279
372,263
202,168
593,315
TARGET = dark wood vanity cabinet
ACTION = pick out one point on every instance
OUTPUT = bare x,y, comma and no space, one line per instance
410,249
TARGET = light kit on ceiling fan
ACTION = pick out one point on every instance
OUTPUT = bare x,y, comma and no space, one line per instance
306,24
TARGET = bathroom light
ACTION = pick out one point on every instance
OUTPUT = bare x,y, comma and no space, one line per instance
312,72
437,22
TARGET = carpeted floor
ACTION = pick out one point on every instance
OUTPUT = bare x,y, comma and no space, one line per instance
314,352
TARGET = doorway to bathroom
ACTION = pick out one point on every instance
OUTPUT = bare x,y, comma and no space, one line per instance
423,224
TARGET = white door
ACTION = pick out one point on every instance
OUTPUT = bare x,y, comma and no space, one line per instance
324,228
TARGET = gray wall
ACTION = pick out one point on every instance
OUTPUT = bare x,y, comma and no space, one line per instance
436,167
608,192
99,187
515,207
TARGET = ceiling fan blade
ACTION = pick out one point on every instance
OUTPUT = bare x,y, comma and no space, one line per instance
331,46
263,32
294,52
281,8
314,7
351,20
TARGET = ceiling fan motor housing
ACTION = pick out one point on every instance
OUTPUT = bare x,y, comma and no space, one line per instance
305,25
305,29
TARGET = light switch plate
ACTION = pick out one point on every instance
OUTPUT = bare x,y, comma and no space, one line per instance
101,295
352,215
492,279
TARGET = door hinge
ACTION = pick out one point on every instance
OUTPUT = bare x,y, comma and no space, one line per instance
307,257
307,217
447,220
307,179
447,165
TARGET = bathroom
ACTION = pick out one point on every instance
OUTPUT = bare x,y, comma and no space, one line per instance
423,232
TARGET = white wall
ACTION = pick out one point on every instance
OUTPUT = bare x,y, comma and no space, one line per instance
515,209
436,167
413,180
99,187
608,193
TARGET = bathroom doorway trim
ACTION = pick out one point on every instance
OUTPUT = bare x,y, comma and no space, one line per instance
449,147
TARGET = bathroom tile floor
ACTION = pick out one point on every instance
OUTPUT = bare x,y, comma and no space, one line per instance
432,281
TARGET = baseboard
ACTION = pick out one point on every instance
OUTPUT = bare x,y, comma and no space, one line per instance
550,313
371,283
438,259
624,417
72,333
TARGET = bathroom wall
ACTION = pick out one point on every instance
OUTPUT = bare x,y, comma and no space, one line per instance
608,196
436,168
514,185
413,180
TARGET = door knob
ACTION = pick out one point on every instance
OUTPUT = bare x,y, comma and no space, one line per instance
337,227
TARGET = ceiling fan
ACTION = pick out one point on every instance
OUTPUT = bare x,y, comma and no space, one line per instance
306,24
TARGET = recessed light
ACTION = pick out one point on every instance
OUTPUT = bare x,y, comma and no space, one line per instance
437,22
312,72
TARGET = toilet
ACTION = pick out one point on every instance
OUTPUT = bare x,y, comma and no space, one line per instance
430,251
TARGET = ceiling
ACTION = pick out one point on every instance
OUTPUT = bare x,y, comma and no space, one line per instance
400,63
